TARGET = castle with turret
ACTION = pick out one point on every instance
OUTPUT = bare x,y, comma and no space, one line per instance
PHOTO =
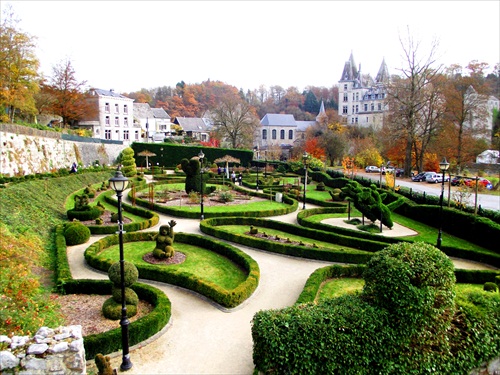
361,98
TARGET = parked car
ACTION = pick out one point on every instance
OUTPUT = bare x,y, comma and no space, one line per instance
372,169
459,180
418,177
481,181
437,177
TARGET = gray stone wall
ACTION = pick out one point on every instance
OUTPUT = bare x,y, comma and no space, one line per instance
50,351
25,150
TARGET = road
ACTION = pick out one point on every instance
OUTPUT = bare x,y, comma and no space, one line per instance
486,201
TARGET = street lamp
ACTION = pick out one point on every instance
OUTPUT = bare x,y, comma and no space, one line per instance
444,165
119,183
305,157
201,156
256,149
265,163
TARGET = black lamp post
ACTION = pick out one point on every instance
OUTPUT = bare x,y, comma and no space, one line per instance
256,148
201,156
119,183
265,165
305,157
444,165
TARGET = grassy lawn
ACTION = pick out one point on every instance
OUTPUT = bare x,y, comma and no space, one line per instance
425,233
333,288
203,263
242,229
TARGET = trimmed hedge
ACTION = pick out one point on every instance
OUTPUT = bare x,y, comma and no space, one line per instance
209,226
151,218
226,298
110,341
318,277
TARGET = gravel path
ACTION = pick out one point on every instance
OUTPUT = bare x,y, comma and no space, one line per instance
203,338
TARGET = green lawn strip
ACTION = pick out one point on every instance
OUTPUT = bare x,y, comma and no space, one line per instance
333,288
425,233
242,229
203,263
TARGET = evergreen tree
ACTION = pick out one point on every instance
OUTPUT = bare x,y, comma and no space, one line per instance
311,103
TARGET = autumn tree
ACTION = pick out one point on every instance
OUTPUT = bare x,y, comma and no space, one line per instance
69,97
235,122
465,109
415,103
18,69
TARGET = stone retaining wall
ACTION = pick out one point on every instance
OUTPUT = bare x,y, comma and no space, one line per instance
50,351
25,151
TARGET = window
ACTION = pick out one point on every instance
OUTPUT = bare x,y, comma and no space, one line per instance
353,96
290,134
356,120
125,109
106,107
282,134
366,107
379,106
357,96
125,134
136,135
345,97
357,108
264,133
345,86
373,107
203,137
117,110
353,109
117,121
107,134
125,121
344,110
107,121
273,133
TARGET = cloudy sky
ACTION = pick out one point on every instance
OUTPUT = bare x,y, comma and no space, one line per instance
129,45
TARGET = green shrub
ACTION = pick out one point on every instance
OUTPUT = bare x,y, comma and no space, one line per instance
131,274
490,287
113,310
321,186
114,217
76,234
416,282
131,297
89,213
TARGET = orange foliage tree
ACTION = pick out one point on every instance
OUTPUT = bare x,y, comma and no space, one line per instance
313,148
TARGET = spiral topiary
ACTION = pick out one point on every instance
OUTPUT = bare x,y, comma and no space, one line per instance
76,233
112,307
129,168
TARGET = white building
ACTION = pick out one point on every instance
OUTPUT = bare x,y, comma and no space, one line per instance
361,99
114,119
480,119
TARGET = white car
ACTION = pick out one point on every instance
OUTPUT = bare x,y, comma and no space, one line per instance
437,177
372,169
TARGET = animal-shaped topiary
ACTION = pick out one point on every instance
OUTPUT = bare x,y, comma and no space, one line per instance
103,364
369,202
164,241
111,308
192,169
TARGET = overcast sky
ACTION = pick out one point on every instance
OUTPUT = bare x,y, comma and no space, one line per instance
129,45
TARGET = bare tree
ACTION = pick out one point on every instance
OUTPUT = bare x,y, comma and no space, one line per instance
415,103
235,122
